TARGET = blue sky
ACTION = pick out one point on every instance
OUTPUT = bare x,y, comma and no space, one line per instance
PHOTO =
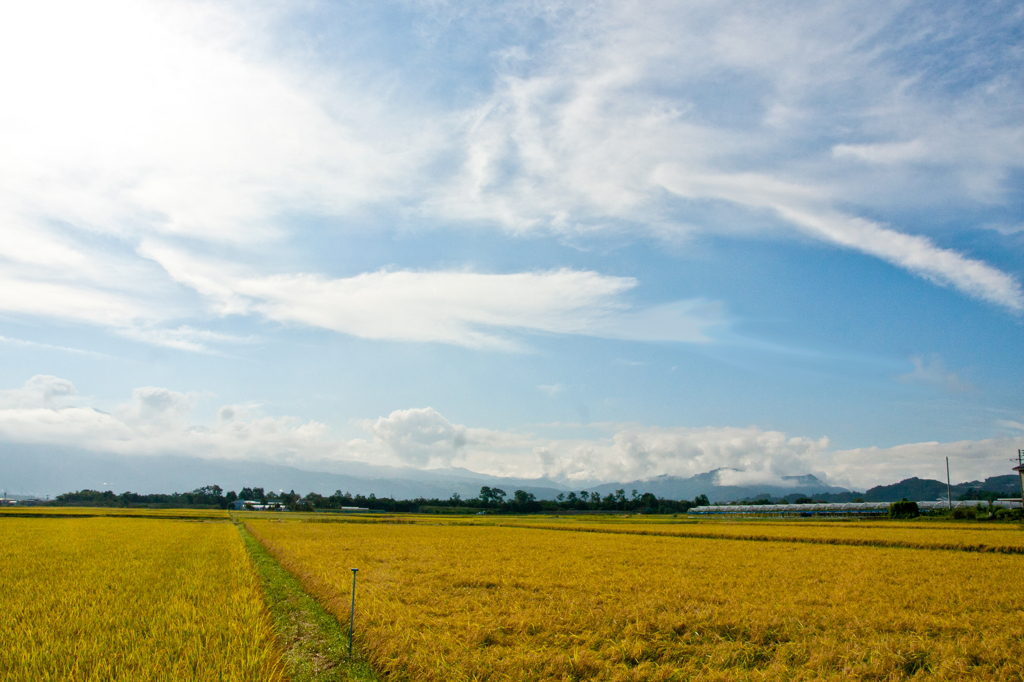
599,242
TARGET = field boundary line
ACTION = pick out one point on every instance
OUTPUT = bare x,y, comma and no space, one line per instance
314,644
850,542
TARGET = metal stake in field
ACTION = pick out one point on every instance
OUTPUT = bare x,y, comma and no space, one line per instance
352,615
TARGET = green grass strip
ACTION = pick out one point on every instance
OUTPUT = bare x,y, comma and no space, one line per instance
315,645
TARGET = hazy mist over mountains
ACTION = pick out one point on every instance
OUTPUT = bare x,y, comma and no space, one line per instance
32,470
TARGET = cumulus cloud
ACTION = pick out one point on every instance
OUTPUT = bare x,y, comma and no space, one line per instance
160,421
155,421
420,437
645,452
969,460
42,390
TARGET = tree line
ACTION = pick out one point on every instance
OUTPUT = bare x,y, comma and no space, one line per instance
489,500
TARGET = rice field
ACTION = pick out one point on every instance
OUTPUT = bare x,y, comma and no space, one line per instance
126,594
501,601
110,598
113,512
995,537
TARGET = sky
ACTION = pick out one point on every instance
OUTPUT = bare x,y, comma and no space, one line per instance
590,241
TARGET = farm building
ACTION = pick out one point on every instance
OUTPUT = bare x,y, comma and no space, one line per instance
256,505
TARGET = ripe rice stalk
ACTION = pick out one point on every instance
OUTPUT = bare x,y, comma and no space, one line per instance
486,602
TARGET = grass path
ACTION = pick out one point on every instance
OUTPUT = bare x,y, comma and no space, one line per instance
314,643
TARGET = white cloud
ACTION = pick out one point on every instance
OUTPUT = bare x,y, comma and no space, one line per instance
156,409
129,122
126,119
645,452
932,372
894,152
181,124
41,390
155,421
551,390
159,421
633,102
806,208
968,460
419,437
462,308
183,337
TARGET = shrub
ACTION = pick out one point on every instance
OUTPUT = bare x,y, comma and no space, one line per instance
1004,514
904,510
965,513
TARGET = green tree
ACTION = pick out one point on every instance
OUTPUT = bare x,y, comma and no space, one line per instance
522,497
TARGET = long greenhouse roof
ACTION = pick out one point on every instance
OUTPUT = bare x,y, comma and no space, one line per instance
841,507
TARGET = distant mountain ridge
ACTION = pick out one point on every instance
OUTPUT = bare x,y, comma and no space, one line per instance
44,470
924,489
35,470
39,470
676,488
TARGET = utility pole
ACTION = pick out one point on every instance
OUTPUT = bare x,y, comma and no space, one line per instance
1020,470
949,488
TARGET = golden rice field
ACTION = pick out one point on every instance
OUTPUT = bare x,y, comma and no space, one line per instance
130,599
925,534
1001,537
459,601
130,512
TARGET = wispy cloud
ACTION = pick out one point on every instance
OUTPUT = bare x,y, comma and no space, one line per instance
176,118
461,308
592,135
128,122
931,372
551,390
64,349
806,209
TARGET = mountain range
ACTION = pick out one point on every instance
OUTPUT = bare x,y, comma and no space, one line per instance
31,470
923,489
